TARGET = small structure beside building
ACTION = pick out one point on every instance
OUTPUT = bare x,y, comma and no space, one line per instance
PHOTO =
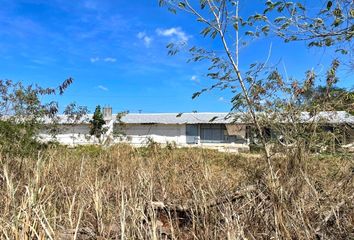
211,130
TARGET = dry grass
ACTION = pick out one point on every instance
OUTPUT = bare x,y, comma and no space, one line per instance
92,193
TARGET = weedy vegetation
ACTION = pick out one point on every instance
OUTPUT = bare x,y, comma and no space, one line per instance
169,193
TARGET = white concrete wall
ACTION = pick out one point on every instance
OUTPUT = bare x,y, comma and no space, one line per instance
138,134
135,134
69,135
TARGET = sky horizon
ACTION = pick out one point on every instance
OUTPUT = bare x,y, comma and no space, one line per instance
116,53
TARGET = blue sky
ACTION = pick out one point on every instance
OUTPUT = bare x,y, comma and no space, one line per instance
116,52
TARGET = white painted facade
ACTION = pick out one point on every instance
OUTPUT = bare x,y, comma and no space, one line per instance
139,129
71,135
139,134
135,134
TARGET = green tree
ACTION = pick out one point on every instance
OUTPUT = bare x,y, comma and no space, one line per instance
270,101
344,98
97,123
23,114
75,114
261,91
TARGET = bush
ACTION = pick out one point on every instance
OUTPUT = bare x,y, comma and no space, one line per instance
18,139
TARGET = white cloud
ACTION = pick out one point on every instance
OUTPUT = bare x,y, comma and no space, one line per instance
102,88
141,35
94,59
110,59
194,78
175,33
146,39
221,99
106,59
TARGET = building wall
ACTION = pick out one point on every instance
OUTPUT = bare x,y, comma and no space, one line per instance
139,134
135,134
217,133
69,135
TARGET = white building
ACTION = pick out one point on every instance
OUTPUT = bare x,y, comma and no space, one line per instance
212,130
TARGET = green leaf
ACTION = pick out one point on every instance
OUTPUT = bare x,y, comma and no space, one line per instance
315,44
337,22
196,94
299,5
269,3
197,58
285,25
279,19
170,45
205,31
319,20
337,12
202,4
181,5
193,49
342,51
249,33
265,29
281,8
329,5
213,75
161,3
215,60
171,53
172,10
214,34
259,17
289,4
213,119
328,42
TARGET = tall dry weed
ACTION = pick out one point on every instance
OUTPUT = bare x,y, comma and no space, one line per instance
114,193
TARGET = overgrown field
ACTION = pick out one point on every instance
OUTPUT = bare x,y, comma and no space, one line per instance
155,193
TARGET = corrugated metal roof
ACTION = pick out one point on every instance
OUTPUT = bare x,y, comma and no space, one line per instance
224,118
65,119
175,118
155,118
206,117
328,117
